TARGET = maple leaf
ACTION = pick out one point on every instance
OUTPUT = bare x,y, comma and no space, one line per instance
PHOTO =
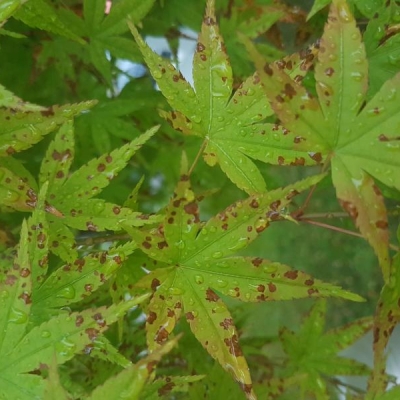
230,123
72,193
25,351
199,263
104,32
359,142
314,353
18,132
130,382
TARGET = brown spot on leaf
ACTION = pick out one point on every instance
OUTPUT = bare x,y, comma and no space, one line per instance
289,90
312,291
383,138
317,157
155,283
101,167
209,21
92,333
281,160
151,317
146,245
162,245
162,335
271,287
350,208
233,345
309,282
166,389
329,71
211,296
260,288
26,298
191,208
91,226
291,274
88,287
298,161
257,261
381,224
24,272
226,323
79,320
170,313
116,210
268,70
189,316
254,204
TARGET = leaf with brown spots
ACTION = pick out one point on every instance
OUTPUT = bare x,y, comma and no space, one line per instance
61,336
360,142
38,240
163,386
72,193
310,348
21,130
232,125
199,267
387,316
131,381
73,282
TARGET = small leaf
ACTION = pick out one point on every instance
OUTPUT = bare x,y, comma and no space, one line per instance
130,382
20,131
310,349
75,281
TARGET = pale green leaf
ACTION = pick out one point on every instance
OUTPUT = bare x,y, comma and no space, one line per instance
359,144
10,100
129,383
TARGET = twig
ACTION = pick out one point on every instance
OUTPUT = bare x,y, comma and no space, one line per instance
203,145
341,230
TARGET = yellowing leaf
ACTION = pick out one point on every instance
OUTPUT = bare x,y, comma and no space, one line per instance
360,142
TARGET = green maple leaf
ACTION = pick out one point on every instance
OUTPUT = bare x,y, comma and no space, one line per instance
199,263
104,32
314,353
72,194
19,131
231,124
22,350
359,142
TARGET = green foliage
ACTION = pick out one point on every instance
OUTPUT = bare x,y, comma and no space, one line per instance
128,261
